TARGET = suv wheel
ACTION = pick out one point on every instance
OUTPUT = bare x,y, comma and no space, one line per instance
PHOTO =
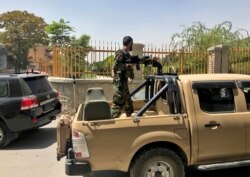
158,162
5,135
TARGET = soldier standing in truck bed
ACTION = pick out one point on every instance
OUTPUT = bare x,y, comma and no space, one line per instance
121,73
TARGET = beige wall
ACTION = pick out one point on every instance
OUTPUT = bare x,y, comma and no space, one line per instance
65,87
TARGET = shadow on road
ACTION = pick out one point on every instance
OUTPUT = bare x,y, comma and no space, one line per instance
35,139
109,174
235,172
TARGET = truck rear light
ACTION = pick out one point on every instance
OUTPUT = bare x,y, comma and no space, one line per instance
29,103
75,134
79,145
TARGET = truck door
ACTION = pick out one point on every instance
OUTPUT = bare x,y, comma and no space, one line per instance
221,131
245,89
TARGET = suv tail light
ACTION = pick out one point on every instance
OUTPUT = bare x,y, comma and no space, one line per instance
57,94
79,145
29,103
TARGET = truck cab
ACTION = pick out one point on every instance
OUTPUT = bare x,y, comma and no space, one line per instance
188,120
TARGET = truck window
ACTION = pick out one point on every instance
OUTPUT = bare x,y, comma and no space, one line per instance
216,100
3,88
247,96
245,87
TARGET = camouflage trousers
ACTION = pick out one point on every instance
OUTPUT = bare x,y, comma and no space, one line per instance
121,101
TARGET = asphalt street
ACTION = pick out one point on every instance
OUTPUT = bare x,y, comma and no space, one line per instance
33,154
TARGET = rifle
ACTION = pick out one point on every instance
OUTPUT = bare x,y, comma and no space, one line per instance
146,60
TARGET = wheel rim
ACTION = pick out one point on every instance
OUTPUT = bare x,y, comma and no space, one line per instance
1,135
159,169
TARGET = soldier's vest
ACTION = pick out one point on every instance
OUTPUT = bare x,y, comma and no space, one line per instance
120,66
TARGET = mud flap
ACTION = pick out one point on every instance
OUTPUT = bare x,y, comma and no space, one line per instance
63,136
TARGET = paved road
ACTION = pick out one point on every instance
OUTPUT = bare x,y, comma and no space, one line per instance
34,155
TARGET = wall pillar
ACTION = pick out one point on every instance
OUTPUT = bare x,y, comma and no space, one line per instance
218,59
138,50
224,58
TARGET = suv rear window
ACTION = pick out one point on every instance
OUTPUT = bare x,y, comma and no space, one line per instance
3,88
38,84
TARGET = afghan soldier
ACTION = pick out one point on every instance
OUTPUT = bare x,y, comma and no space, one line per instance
121,73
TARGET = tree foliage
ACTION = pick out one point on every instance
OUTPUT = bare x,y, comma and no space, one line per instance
105,65
1,37
22,30
59,32
82,41
200,37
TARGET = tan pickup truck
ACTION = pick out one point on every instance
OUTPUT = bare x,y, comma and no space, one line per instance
200,121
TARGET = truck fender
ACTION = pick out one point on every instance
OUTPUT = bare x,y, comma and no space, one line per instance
149,138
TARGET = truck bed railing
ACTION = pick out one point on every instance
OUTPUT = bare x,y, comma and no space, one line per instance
170,86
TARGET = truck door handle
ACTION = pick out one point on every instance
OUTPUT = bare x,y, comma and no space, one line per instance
177,117
212,124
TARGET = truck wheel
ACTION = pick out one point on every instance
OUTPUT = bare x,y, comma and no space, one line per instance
5,135
158,162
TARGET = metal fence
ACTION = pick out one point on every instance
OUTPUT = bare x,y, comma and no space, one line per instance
96,61
92,62
239,60
179,60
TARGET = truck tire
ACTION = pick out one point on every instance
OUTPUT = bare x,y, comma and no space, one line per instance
5,135
157,162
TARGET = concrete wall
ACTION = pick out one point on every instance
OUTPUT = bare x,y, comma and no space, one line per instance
65,87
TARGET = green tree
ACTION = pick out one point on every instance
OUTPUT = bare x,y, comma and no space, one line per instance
59,32
104,66
1,37
73,58
77,48
22,30
82,41
200,37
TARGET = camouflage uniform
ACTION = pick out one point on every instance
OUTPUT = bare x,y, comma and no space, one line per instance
121,101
